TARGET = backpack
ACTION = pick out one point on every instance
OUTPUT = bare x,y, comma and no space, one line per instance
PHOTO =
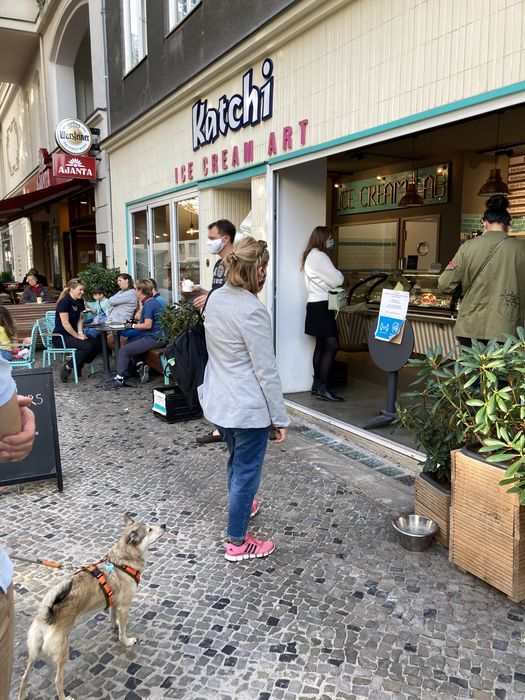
187,357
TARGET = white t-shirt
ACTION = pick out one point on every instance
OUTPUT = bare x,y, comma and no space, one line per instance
7,389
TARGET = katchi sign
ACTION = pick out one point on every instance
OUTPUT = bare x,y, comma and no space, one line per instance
249,108
82,167
73,137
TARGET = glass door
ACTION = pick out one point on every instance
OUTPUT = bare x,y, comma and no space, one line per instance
140,244
188,239
161,245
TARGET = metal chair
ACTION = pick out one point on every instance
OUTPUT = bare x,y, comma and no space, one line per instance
46,327
30,360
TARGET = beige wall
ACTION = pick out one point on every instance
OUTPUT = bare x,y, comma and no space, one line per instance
344,66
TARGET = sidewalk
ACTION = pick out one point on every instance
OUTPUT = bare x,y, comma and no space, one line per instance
340,610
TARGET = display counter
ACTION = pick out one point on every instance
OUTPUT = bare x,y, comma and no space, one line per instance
431,313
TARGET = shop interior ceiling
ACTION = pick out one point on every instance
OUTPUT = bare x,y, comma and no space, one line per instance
477,135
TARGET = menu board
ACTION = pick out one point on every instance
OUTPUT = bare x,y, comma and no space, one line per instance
516,183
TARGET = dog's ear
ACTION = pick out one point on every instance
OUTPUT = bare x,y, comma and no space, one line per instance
128,519
133,536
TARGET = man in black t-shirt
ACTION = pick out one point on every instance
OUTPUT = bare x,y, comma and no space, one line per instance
221,235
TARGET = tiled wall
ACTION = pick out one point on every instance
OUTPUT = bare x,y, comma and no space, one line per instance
470,223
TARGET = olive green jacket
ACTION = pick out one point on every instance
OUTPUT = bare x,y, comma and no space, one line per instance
496,302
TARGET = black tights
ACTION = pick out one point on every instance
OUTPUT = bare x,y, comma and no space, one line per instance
324,355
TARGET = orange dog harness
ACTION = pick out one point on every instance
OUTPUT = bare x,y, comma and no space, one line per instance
102,580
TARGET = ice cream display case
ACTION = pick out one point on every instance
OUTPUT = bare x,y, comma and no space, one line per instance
431,313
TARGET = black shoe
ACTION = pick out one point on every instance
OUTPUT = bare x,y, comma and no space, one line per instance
315,386
208,438
113,384
65,372
325,394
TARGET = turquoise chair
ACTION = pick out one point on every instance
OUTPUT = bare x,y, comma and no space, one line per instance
46,327
30,360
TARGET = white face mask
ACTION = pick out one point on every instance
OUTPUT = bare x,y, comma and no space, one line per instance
215,245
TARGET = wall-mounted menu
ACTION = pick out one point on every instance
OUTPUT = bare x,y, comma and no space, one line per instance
516,183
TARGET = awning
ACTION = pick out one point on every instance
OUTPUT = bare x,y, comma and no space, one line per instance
26,204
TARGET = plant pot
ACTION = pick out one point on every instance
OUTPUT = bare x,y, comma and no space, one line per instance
433,501
487,525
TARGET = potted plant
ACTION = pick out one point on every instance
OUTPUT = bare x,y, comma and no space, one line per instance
95,275
175,318
483,390
426,414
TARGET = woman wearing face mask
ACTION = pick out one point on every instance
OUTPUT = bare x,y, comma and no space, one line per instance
241,393
221,235
320,276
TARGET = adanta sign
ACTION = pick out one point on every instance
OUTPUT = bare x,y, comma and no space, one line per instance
82,167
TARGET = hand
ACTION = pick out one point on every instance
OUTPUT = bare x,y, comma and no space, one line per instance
15,447
280,435
82,336
199,301
128,325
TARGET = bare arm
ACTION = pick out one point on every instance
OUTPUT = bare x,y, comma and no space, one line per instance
17,446
64,317
10,418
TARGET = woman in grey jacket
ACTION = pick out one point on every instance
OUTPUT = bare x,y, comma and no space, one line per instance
123,304
241,393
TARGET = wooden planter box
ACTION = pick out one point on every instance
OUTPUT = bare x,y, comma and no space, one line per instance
487,525
433,501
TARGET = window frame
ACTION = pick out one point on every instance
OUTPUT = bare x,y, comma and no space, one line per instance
173,22
141,6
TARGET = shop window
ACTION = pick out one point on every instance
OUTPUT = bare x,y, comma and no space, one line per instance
188,226
140,244
134,27
179,9
161,239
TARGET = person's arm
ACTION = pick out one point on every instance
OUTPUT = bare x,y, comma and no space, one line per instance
199,301
64,317
10,417
328,272
45,294
149,315
450,279
26,296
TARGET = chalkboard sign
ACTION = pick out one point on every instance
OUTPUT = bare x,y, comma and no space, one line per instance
43,462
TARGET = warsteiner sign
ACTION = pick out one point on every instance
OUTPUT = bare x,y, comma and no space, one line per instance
73,137
82,167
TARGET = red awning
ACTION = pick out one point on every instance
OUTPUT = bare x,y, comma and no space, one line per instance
26,204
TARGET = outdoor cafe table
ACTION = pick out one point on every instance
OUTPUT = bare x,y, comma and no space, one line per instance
105,329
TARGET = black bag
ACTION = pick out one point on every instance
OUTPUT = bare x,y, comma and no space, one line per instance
187,357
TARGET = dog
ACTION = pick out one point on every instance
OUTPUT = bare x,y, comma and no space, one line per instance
111,583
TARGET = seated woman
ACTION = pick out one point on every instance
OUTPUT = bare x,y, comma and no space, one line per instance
122,305
141,337
34,291
68,324
8,334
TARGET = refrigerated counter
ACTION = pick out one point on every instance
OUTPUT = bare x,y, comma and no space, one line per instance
431,313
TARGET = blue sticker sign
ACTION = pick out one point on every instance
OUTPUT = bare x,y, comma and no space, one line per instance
392,315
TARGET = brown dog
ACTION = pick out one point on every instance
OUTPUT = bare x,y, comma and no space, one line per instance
82,594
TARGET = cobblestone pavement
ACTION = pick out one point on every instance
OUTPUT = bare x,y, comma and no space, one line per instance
340,610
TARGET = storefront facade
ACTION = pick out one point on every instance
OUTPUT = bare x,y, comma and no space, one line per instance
293,124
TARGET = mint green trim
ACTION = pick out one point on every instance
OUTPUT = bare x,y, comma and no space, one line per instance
240,174
404,121
164,193
128,240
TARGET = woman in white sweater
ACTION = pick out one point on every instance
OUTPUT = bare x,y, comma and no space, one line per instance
320,276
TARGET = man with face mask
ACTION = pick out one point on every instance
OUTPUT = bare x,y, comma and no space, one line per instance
221,235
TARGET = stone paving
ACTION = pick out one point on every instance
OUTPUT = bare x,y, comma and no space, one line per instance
340,610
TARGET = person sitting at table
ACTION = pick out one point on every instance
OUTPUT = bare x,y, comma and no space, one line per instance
156,294
8,346
34,291
68,324
42,281
122,305
99,310
141,337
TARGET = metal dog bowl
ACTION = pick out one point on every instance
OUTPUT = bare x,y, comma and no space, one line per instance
415,531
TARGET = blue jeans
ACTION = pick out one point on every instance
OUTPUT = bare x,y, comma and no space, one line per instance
247,447
6,354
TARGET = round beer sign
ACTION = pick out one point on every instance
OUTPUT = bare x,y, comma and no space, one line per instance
73,137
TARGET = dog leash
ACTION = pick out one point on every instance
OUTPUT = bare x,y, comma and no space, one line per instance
41,562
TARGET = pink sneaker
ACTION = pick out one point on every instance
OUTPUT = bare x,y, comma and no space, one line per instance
250,549
255,508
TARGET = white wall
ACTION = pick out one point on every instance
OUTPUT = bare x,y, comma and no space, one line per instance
301,202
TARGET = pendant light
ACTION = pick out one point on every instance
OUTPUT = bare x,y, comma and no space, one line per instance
412,198
191,231
495,183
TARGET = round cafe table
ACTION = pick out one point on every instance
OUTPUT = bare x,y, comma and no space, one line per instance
105,329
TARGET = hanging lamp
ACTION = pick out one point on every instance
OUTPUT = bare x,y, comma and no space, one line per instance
191,231
495,183
412,198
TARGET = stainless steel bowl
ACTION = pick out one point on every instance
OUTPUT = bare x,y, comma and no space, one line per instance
415,531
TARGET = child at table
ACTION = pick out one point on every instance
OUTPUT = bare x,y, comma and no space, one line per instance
98,309
7,337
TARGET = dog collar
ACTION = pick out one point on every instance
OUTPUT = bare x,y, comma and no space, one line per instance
129,570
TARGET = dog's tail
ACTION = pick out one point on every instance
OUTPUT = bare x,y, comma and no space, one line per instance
53,601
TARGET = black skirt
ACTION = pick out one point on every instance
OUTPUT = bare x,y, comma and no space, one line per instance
320,322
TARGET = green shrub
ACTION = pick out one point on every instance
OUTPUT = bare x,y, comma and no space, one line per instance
174,319
95,275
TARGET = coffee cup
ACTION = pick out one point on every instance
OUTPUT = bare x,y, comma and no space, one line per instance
39,300
187,286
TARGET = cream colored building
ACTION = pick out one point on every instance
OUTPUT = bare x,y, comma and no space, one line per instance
360,89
